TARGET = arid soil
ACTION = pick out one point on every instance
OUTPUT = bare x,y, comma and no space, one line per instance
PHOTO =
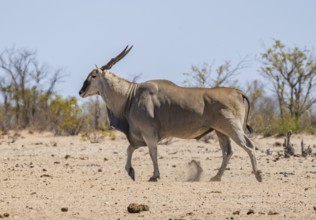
47,177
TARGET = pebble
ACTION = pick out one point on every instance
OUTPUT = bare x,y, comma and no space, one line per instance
5,215
236,212
250,212
64,209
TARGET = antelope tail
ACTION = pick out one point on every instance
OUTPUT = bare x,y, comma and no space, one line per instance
249,128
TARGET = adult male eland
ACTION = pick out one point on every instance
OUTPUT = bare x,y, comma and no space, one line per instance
150,111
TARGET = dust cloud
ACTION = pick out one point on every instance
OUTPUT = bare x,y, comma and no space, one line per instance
195,171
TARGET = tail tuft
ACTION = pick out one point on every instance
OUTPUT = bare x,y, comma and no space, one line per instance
249,128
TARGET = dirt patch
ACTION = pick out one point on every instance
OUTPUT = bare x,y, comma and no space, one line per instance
48,177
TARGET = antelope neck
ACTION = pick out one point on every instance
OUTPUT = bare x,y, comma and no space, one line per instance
117,93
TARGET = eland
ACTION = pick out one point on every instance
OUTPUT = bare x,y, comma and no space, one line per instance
151,111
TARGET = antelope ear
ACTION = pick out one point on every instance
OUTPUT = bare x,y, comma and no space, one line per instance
98,69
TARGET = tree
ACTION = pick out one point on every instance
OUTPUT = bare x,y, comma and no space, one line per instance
255,91
94,115
292,72
22,83
5,91
204,76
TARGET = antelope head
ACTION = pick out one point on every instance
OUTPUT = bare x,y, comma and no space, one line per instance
93,84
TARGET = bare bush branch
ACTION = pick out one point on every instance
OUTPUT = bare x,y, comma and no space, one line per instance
204,76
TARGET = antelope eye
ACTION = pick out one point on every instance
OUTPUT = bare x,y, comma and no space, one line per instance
94,76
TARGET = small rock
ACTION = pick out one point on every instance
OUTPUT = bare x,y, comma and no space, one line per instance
250,212
277,144
236,212
67,156
137,208
6,215
272,213
268,152
28,207
314,208
64,209
46,175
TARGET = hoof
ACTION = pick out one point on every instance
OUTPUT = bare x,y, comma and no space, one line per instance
153,179
215,179
131,173
258,175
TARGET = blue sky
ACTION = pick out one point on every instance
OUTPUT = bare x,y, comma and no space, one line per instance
169,36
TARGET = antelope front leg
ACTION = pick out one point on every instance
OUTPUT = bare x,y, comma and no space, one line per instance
128,166
153,155
152,141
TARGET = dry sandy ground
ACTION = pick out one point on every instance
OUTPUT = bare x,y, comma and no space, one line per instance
47,177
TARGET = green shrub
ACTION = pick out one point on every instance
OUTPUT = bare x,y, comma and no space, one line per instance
65,115
268,126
